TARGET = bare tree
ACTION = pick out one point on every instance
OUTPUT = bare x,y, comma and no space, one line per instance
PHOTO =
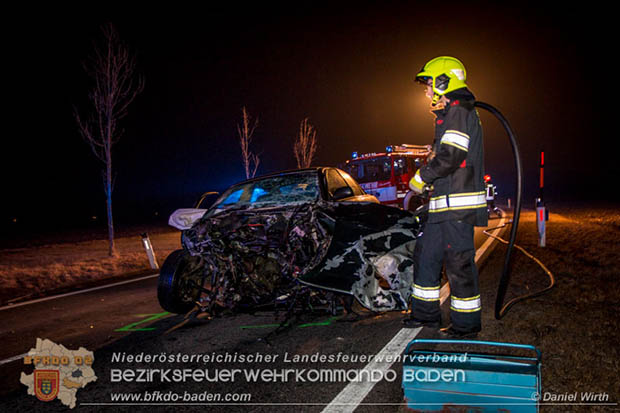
250,160
305,144
112,69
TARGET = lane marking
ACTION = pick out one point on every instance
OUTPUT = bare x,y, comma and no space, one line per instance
53,297
12,359
128,327
352,395
8,307
489,240
355,392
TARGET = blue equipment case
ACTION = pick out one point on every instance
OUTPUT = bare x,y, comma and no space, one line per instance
451,381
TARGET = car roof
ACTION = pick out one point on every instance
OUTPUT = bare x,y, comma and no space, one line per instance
286,172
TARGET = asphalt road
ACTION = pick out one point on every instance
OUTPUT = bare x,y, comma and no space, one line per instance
126,321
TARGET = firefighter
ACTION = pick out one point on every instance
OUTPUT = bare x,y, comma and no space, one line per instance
457,203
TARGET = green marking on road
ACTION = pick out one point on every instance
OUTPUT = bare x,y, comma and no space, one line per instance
320,323
150,317
316,324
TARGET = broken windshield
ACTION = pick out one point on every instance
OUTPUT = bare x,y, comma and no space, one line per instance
281,190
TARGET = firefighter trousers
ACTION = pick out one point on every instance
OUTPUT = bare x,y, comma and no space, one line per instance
449,243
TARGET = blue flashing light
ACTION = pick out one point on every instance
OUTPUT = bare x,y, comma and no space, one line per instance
389,148
354,155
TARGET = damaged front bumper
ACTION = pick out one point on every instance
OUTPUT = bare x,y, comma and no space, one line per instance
253,257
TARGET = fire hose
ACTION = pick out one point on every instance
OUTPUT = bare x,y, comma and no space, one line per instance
509,304
500,308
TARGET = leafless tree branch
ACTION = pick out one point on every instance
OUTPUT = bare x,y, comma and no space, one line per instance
249,159
305,145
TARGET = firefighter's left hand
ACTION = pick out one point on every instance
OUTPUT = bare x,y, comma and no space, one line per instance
416,184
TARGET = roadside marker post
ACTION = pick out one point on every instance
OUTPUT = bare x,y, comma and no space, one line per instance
146,241
542,215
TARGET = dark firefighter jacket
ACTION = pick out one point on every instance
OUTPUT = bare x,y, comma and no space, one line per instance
457,169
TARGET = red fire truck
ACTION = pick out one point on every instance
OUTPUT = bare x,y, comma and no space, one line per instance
386,175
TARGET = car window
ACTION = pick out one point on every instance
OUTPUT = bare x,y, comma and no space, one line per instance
357,190
400,166
257,193
233,197
334,181
279,190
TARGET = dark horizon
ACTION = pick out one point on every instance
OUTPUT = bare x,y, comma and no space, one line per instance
348,69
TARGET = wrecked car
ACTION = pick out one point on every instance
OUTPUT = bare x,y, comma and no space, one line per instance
286,237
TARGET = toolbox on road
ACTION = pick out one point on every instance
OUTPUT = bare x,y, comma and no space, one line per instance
435,379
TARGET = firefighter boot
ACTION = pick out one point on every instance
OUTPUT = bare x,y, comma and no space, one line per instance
411,322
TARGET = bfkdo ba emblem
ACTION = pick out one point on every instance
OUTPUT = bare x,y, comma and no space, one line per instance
46,384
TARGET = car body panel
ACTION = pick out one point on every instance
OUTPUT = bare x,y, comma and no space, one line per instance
263,237
370,256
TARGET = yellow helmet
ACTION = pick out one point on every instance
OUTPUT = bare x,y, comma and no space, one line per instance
446,73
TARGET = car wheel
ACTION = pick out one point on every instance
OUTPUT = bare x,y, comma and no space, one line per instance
175,290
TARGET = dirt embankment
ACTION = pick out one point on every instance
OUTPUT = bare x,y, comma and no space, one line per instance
576,324
31,272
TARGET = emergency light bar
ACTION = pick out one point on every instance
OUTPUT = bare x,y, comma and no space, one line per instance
413,149
416,150
356,155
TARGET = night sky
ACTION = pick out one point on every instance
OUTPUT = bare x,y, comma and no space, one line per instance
347,66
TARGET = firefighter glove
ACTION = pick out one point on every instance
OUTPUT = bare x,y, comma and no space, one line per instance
416,184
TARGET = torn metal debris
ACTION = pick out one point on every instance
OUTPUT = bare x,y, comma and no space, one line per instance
288,237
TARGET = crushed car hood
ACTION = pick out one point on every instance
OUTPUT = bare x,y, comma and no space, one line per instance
255,254
370,256
362,249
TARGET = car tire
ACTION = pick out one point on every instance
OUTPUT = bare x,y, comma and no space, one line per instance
169,286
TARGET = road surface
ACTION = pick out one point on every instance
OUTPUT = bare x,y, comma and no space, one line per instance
125,320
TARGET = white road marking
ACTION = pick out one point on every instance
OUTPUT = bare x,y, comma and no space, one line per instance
53,297
355,392
20,356
350,397
14,358
489,240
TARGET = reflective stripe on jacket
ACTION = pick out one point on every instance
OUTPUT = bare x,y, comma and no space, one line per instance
457,169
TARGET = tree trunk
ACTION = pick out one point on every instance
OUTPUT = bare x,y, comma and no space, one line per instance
108,195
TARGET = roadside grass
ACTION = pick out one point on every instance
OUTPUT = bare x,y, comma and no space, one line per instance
31,272
576,324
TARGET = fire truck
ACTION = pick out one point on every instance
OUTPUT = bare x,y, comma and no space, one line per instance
386,174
